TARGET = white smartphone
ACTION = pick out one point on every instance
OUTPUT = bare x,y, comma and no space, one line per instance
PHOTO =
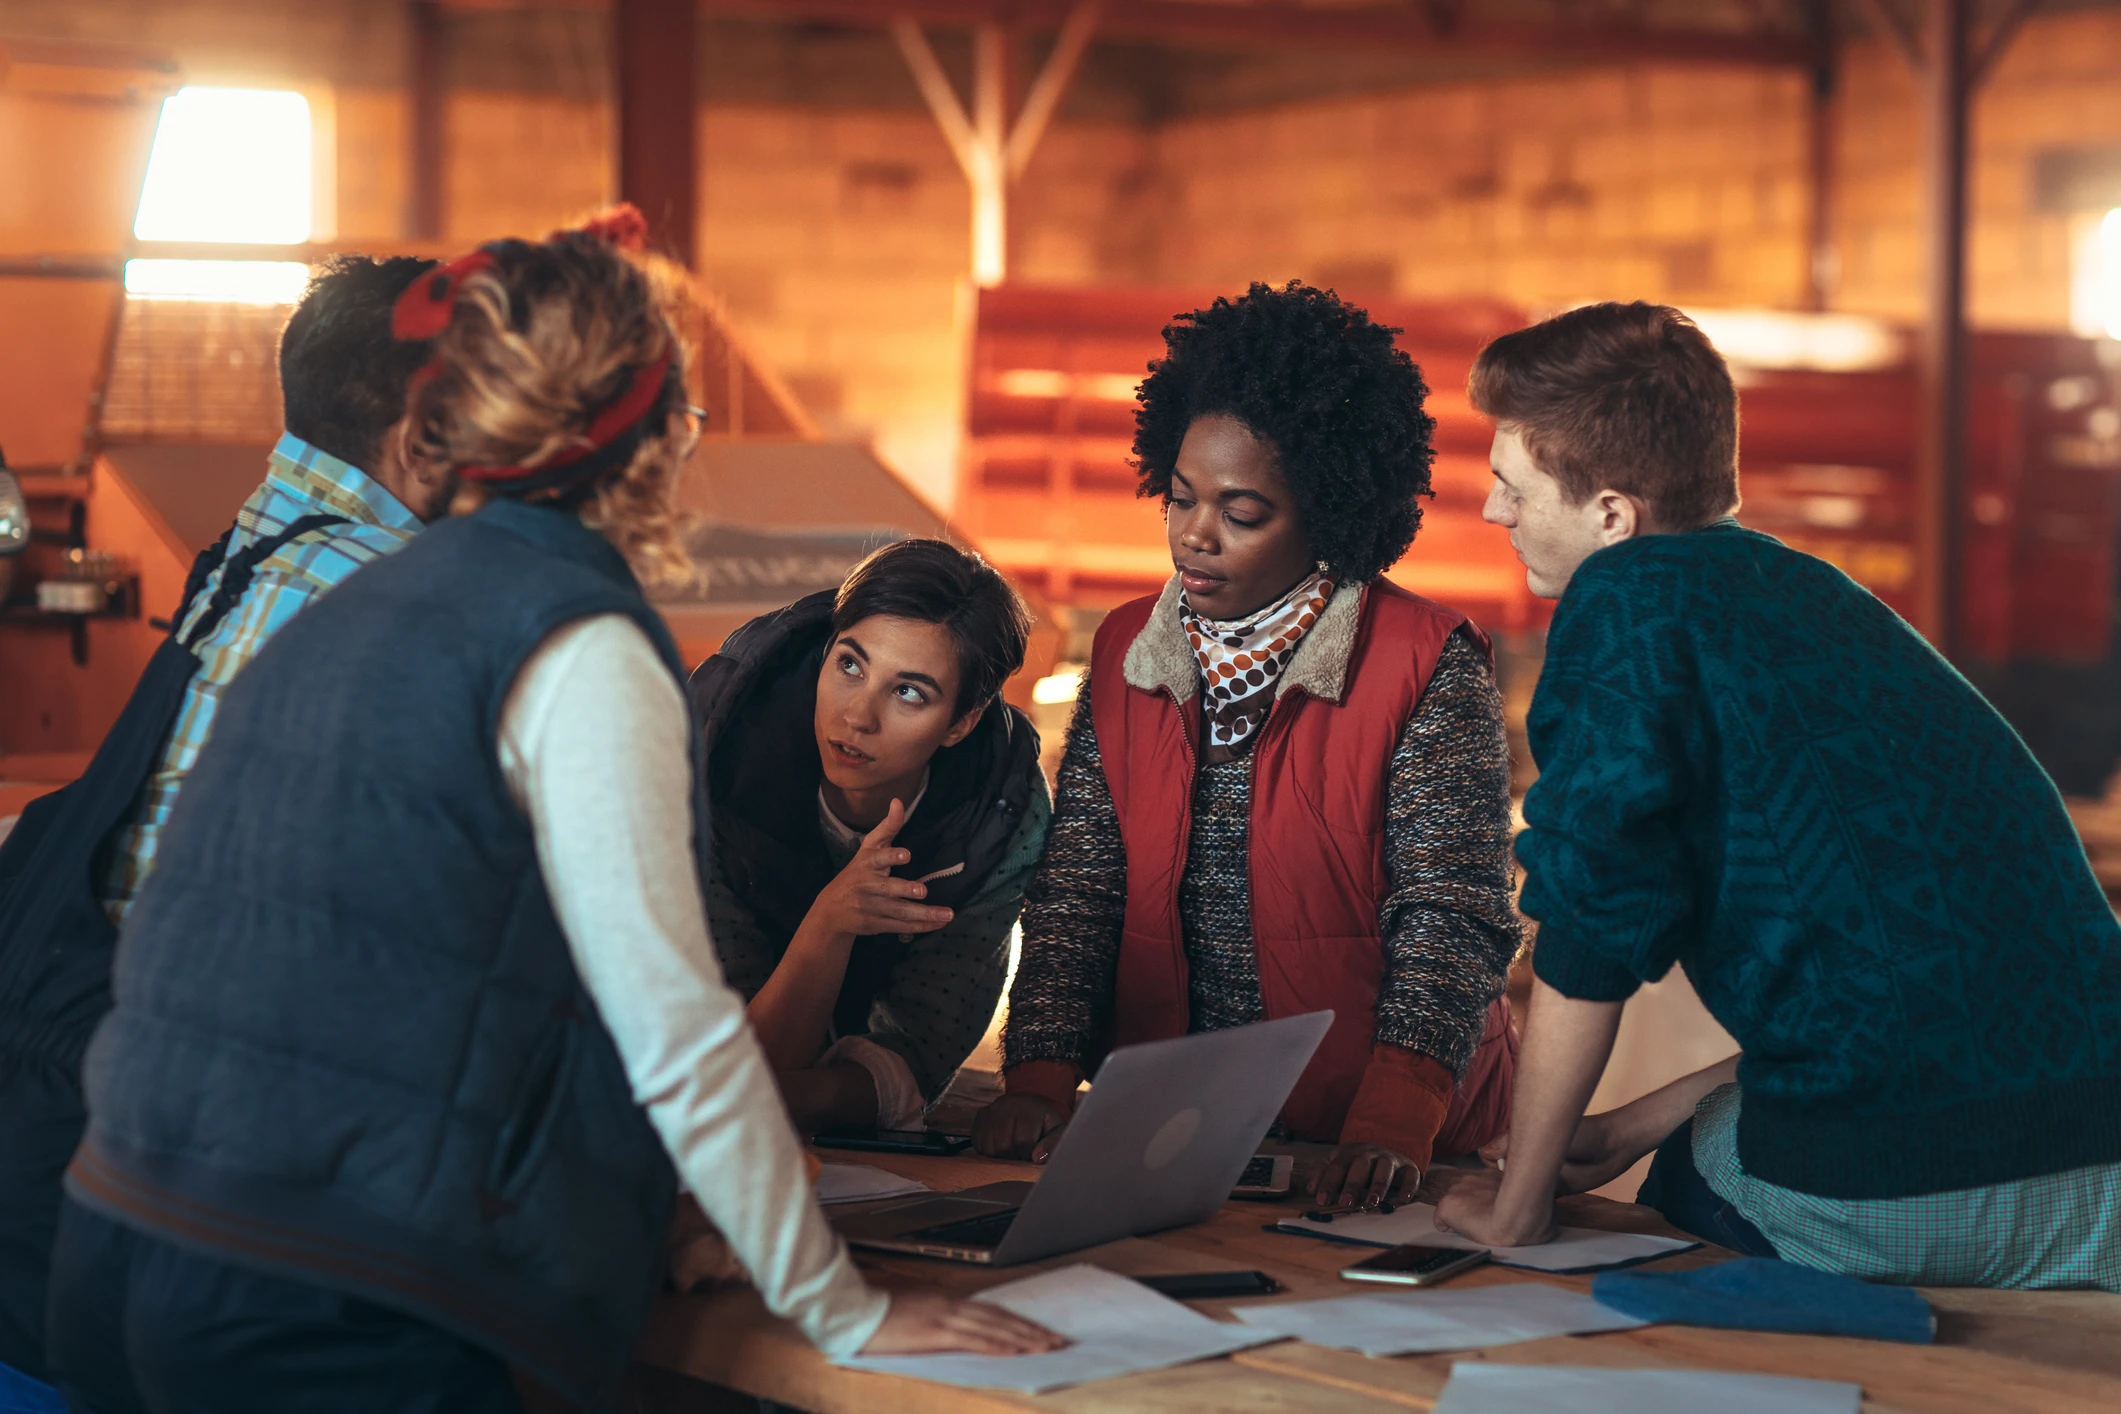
1266,1176
1415,1264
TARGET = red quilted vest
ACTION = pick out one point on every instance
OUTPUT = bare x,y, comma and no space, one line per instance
1317,841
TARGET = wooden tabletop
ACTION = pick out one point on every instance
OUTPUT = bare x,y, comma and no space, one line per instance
2045,1352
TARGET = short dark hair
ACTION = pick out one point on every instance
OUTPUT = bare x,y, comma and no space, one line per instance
1327,389
342,375
1626,397
935,582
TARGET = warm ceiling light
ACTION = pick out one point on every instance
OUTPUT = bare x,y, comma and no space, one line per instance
229,164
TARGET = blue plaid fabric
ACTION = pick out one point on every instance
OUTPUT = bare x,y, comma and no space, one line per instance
2054,1230
299,481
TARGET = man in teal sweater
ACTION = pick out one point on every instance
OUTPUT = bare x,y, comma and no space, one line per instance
1752,768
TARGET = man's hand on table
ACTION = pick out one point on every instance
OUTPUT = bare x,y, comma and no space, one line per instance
1018,1127
1369,1174
1472,1207
1597,1154
929,1323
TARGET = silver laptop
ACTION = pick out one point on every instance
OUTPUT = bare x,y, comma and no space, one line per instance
1159,1142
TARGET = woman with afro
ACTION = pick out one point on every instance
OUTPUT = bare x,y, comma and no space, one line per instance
1286,786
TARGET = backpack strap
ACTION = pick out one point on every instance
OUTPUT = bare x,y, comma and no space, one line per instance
236,573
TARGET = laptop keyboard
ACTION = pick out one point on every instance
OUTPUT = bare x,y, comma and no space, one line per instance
986,1230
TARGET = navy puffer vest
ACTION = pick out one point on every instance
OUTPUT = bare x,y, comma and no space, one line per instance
349,1044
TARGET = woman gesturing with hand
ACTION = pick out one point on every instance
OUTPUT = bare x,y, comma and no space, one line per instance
793,1012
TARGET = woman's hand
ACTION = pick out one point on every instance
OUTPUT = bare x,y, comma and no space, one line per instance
1018,1127
928,1323
865,898
1368,1174
1472,1209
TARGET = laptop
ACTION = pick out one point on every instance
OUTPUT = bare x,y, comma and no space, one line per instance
1160,1140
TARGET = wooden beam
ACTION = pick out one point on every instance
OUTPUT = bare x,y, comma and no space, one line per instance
426,133
654,96
990,134
1940,472
1821,265
1051,83
1273,25
1888,27
1999,39
934,84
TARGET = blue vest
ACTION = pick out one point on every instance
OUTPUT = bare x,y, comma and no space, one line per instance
349,1044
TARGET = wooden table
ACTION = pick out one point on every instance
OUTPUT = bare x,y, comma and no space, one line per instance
2050,1352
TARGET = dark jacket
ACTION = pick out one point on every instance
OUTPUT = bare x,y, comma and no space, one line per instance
755,702
349,1044
1751,767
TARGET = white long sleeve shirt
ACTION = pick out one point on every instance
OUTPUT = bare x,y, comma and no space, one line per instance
593,744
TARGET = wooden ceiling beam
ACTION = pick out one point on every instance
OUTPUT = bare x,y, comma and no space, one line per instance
1273,24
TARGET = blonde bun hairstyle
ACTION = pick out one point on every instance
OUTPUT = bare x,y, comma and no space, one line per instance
536,345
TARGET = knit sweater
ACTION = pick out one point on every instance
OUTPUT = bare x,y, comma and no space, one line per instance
1751,767
1448,925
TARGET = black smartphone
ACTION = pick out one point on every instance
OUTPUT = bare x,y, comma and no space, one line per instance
1212,1286
1414,1264
893,1141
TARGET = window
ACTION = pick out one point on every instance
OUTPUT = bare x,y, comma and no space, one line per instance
230,165
2095,293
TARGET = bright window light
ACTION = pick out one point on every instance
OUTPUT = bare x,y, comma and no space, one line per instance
229,164
2095,294
230,281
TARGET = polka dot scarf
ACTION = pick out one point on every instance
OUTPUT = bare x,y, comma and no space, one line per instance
1242,659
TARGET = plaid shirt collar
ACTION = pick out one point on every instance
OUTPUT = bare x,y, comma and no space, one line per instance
308,475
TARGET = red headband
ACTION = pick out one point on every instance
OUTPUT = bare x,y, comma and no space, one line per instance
424,310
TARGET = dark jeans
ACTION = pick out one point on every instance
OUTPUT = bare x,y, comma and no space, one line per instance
1676,1189
139,1326
40,1123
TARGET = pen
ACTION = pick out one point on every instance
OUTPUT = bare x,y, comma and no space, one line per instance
1326,1215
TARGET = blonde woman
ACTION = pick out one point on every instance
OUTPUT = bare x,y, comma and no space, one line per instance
419,1010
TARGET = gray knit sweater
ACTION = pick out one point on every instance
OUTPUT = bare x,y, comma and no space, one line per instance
1448,924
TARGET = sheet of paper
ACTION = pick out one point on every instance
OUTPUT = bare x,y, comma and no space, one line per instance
1410,1322
1119,1327
1576,1249
1565,1389
859,1183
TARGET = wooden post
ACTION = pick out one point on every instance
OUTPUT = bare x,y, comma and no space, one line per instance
990,136
426,133
1941,471
653,43
1821,262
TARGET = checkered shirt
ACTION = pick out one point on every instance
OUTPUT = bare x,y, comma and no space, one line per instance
2056,1230
299,481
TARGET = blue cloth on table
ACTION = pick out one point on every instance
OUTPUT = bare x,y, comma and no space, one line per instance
1753,1293
19,1394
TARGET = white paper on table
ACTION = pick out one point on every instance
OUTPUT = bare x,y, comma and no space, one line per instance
859,1183
1410,1322
1566,1389
1119,1327
1574,1249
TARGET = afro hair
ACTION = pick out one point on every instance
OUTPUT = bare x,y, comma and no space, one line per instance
1315,379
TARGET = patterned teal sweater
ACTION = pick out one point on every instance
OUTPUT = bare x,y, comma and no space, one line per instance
1751,767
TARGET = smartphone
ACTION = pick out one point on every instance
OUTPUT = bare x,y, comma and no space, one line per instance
1211,1286
893,1141
1266,1176
1414,1264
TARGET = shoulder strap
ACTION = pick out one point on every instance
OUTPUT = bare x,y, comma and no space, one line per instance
236,572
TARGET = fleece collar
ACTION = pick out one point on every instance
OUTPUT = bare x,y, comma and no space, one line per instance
1160,658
